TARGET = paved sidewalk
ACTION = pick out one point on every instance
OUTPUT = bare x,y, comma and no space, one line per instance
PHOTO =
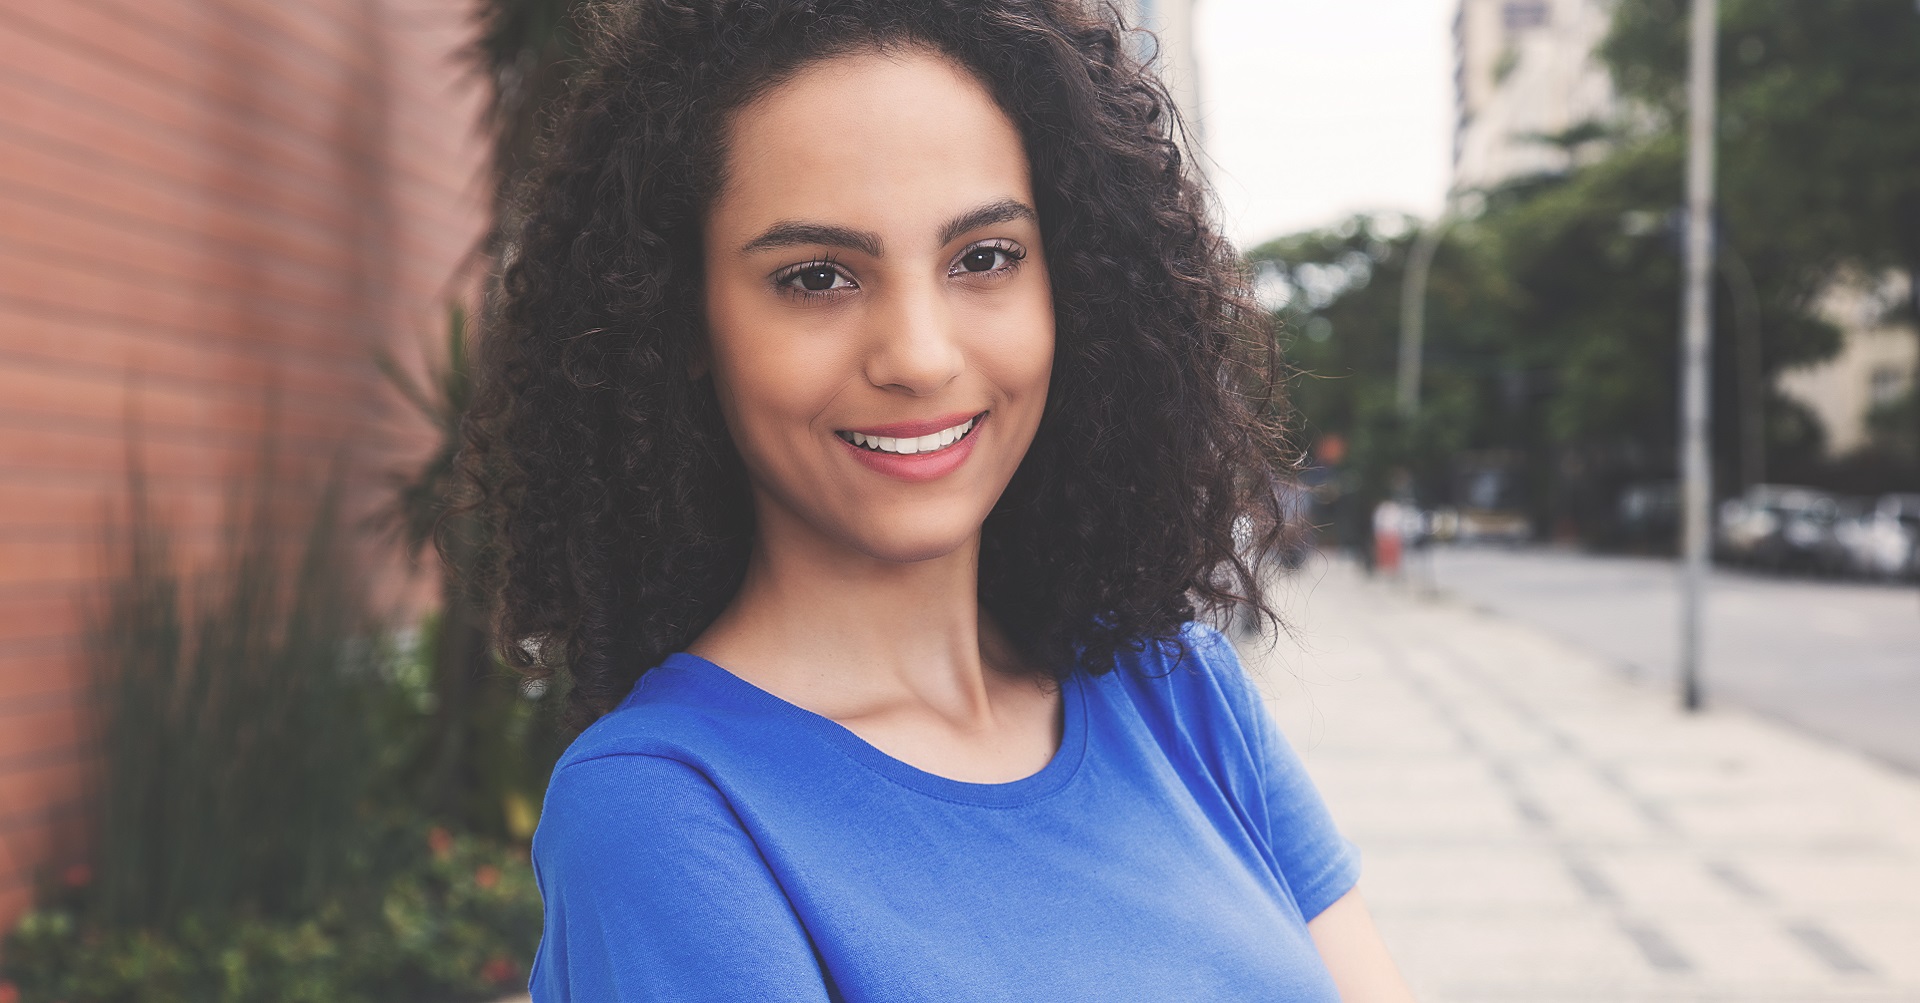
1837,659
1537,827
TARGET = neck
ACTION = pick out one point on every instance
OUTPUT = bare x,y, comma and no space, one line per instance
848,635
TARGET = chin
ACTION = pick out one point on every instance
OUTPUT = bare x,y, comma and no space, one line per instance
910,537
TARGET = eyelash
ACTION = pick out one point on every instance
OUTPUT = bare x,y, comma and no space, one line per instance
1014,252
783,280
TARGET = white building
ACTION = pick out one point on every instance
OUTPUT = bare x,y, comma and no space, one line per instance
1525,69
1171,22
1874,367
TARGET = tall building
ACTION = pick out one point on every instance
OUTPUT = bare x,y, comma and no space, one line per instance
1525,70
1171,24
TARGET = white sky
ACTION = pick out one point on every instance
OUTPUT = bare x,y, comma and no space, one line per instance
1315,109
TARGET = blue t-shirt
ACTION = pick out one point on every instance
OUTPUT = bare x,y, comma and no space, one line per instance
708,840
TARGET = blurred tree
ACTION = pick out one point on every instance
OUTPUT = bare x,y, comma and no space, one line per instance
1551,342
1593,258
1819,132
1340,326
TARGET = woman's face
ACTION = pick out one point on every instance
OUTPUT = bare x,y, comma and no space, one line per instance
879,315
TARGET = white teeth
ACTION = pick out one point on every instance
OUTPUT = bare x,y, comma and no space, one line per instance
914,445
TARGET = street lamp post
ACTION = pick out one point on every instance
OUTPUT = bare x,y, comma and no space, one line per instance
1696,473
1413,313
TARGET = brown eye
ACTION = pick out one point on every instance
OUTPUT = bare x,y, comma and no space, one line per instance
817,279
980,259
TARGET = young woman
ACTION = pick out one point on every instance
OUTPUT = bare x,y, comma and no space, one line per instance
869,416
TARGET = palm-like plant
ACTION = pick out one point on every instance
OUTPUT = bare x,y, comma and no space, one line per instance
231,708
486,748
488,744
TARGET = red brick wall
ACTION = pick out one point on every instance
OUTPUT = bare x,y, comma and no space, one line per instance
204,205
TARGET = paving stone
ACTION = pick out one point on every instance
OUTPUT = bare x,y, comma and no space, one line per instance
1538,826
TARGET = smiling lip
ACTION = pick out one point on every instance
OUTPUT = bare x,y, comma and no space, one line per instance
913,429
917,468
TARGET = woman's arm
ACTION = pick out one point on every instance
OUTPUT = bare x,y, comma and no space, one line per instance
1355,954
1319,866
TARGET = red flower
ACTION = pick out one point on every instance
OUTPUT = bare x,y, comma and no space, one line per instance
9,993
440,841
486,876
498,970
75,876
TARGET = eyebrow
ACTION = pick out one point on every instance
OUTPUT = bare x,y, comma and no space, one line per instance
1003,211
799,233
792,233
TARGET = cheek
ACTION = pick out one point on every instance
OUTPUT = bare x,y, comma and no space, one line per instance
771,381
743,373
1018,353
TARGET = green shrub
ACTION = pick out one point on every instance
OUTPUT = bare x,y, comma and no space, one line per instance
232,708
260,834
457,919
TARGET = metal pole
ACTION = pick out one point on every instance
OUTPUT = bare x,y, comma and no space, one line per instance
1695,470
1413,313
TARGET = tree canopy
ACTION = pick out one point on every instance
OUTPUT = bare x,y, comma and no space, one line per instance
1553,307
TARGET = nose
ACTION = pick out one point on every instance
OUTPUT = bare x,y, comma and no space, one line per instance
914,345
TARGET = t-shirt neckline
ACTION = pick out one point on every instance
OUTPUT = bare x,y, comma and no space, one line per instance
1050,778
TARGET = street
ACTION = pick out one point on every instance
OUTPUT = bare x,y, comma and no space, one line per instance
1535,826
1840,660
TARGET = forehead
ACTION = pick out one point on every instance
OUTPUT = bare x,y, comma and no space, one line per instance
890,142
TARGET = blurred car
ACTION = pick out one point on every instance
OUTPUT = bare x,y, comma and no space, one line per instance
1782,527
1473,525
1883,540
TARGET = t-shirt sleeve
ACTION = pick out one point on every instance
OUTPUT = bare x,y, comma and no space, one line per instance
654,891
1318,863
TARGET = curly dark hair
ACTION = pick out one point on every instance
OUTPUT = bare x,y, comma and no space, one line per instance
622,507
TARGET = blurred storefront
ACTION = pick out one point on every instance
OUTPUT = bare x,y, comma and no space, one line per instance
213,215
